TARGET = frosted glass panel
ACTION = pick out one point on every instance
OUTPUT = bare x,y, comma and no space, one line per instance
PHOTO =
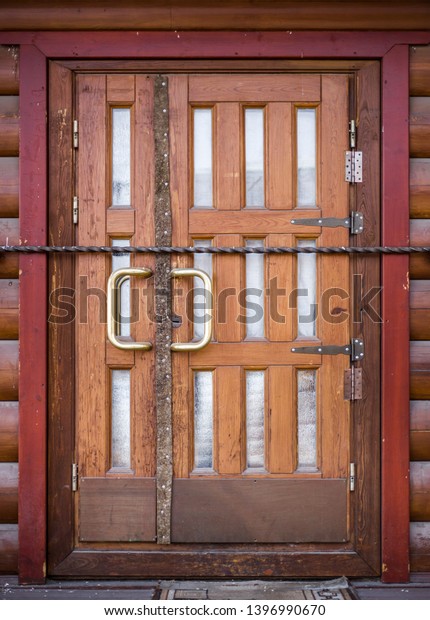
306,157
203,192
307,418
204,262
254,157
306,283
255,418
203,420
122,261
121,149
255,291
121,418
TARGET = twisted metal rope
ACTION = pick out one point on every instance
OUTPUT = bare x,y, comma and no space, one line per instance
42,249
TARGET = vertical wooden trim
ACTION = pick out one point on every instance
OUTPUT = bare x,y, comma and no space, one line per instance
395,327
32,320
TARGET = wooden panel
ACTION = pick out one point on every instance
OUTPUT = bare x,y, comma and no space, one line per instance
8,549
254,88
420,430
420,445
8,492
282,426
420,294
255,353
120,222
420,232
281,275
420,324
420,546
279,157
244,511
420,491
227,166
9,126
420,415
419,78
9,199
228,283
120,88
228,397
8,370
419,127
420,188
419,266
8,431
121,509
9,69
9,301
9,231
420,355
420,370
250,222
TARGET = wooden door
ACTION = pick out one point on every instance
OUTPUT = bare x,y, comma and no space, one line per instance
254,456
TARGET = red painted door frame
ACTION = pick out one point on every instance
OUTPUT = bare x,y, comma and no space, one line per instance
392,49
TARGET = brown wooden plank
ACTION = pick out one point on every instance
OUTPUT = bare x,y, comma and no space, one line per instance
279,156
9,70
8,431
281,315
9,294
9,126
419,170
420,369
419,76
228,421
419,126
255,353
420,231
419,267
227,153
120,222
8,370
117,509
282,426
420,415
8,492
420,355
419,445
228,284
420,384
420,491
9,328
9,199
250,222
420,546
256,510
254,88
420,324
8,549
9,231
420,294
120,88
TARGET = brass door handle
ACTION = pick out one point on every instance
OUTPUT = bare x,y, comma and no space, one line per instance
116,279
208,324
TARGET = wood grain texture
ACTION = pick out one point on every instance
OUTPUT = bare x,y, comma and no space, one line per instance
261,354
282,423
420,370
9,70
420,546
419,188
8,549
279,155
420,231
117,509
420,415
250,221
9,370
420,491
8,492
420,294
420,71
419,267
250,511
120,222
228,156
8,431
420,324
9,126
229,423
420,445
228,282
9,199
9,301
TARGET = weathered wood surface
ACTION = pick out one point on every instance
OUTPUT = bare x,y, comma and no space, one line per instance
420,546
9,199
9,302
9,68
8,370
419,76
8,549
419,189
419,126
9,126
8,492
8,431
420,370
420,491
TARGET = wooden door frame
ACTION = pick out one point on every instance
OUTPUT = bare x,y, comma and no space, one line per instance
392,49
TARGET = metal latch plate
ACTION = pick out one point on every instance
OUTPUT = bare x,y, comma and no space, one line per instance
355,350
354,166
355,222
353,384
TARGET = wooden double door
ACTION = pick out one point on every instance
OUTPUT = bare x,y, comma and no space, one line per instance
245,457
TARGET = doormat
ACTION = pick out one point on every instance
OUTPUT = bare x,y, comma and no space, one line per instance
333,589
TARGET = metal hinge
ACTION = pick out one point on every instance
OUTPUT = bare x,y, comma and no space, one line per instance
352,476
352,134
353,384
355,222
75,209
74,477
75,135
354,166
355,349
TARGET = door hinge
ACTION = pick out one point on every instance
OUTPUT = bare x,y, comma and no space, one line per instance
355,222
75,209
74,477
352,476
353,384
355,349
75,135
352,134
354,166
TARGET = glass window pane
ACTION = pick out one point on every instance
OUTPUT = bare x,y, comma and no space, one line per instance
122,261
121,418
121,150
306,157
203,173
204,262
203,420
255,418
254,157
307,418
306,295
255,291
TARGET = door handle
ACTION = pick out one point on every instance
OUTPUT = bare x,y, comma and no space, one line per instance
208,324
116,279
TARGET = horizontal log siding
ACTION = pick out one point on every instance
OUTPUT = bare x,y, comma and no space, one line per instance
9,307
420,308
